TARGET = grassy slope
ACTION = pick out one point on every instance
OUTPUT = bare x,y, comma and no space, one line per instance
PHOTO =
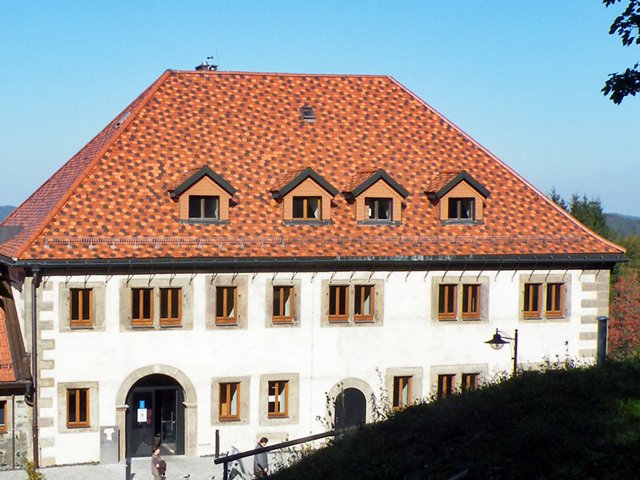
561,424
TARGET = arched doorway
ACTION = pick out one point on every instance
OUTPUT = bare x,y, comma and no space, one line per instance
155,416
350,408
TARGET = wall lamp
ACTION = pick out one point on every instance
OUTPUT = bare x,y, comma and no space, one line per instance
499,340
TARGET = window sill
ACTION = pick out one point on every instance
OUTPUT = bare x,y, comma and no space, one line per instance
219,323
229,419
457,221
293,222
205,221
379,223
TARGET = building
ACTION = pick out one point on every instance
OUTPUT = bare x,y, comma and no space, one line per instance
237,254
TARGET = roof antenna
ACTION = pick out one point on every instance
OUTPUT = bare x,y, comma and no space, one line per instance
207,66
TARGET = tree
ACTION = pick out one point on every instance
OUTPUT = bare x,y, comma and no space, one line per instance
627,25
624,324
586,210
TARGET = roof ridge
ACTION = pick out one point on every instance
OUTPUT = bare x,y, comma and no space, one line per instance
278,74
509,169
145,97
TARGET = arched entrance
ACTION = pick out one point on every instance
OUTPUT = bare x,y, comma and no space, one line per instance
350,408
155,416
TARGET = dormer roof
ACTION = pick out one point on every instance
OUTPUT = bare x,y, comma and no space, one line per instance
192,177
293,178
445,181
364,179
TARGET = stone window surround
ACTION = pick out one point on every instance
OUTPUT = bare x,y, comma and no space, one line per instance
4,426
94,423
241,282
378,305
294,399
544,279
156,283
481,280
415,373
297,285
457,371
64,311
245,397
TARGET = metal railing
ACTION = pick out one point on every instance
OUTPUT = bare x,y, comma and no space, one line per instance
236,456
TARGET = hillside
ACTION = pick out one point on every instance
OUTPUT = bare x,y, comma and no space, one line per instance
5,210
562,424
624,224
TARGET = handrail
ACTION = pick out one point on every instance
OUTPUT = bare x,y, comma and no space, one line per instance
236,456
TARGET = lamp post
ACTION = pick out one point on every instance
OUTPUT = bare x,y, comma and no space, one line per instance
499,340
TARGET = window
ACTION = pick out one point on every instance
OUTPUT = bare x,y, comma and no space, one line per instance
402,391
170,306
363,303
470,382
78,408
555,300
446,385
81,306
470,301
308,114
3,416
379,209
307,208
338,303
278,401
204,207
447,302
532,300
229,401
226,300
142,306
283,304
461,209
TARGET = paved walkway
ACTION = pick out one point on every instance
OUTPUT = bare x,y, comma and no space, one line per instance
199,468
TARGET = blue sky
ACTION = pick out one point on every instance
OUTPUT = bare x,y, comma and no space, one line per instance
523,78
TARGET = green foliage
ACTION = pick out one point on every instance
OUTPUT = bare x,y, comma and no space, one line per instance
562,423
32,473
587,211
627,26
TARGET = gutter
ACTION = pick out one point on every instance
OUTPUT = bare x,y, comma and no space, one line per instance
299,264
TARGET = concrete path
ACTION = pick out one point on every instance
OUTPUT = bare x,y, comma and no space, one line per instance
199,468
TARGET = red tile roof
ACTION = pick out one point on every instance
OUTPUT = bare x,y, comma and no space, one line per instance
7,372
111,200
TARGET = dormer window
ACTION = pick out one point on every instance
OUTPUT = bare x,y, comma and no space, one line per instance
204,207
459,196
307,208
377,198
308,114
305,197
379,209
203,197
462,208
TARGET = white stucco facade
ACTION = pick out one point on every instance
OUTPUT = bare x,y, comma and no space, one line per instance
406,338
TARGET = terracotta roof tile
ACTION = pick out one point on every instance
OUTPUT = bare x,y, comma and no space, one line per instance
112,199
7,372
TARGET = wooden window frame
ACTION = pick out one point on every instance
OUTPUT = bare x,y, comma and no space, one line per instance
399,383
225,406
472,291
276,318
363,317
79,393
532,304
76,299
470,382
172,318
457,203
202,207
305,206
338,316
4,427
450,291
224,320
446,384
375,208
137,318
280,411
554,294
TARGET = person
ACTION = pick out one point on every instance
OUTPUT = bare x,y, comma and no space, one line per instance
260,461
158,465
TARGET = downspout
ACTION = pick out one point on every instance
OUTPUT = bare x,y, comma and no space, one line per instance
34,362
